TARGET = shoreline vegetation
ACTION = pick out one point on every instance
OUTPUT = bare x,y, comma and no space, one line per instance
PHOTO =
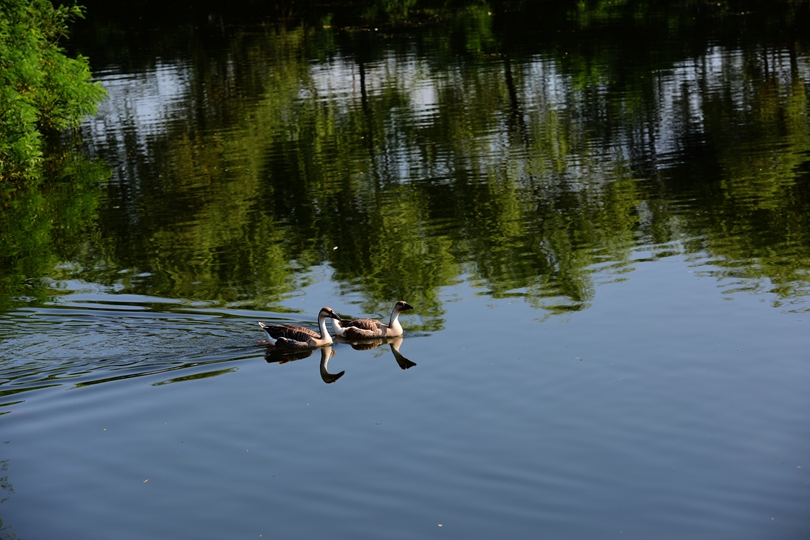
42,90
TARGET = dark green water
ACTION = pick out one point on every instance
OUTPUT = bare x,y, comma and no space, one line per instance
601,215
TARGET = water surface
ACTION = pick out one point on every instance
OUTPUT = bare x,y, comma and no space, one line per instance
607,246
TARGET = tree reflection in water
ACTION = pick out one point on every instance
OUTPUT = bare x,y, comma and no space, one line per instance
522,154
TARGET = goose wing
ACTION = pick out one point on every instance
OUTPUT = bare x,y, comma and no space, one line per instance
355,332
290,332
286,343
370,325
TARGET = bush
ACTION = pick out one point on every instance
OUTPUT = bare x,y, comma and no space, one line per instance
41,89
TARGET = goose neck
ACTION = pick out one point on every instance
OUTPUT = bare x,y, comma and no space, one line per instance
324,332
394,322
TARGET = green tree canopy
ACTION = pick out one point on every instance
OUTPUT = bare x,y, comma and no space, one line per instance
41,89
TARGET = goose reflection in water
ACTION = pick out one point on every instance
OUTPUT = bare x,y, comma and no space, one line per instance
393,342
285,356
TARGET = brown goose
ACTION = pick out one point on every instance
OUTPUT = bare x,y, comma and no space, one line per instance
291,336
370,328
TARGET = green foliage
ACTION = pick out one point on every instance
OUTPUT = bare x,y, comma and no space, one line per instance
41,89
42,223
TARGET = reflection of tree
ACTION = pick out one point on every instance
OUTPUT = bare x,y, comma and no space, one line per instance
528,169
42,223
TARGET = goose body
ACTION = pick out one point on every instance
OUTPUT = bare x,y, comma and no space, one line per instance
291,336
371,328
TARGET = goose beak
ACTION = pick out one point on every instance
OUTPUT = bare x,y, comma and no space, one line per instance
406,306
335,316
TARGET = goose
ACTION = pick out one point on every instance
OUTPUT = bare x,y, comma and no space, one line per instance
370,328
291,336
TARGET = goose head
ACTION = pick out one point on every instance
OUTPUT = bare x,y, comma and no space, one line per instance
327,312
402,306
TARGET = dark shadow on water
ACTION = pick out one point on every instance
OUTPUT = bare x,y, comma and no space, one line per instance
197,376
394,343
282,356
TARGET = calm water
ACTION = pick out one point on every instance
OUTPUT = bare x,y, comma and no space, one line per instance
602,220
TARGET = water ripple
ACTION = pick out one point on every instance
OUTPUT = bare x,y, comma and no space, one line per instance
47,347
